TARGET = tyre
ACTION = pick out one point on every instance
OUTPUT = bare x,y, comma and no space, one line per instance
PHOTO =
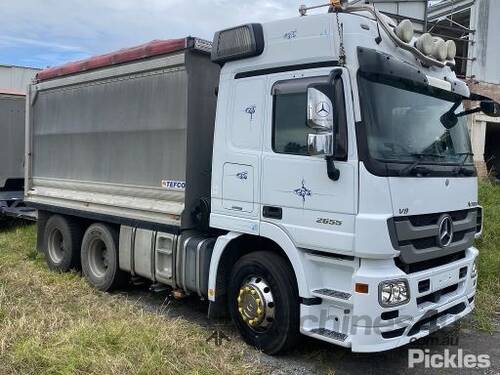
63,238
264,303
100,264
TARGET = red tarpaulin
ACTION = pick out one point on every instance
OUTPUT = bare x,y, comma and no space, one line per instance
154,48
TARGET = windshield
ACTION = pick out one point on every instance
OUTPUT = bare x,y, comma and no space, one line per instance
404,126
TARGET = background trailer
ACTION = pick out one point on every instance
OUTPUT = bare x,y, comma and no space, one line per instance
14,81
12,110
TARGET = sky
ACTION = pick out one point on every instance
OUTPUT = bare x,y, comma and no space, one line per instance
41,33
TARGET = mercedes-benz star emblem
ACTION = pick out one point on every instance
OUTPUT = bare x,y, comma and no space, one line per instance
323,109
445,232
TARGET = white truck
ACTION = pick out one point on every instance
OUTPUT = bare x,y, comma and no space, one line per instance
307,176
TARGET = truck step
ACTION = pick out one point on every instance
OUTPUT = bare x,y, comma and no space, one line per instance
331,293
333,335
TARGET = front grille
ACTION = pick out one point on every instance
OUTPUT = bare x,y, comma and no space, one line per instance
430,263
429,219
416,237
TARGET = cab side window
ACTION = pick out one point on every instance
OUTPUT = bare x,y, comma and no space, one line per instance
290,130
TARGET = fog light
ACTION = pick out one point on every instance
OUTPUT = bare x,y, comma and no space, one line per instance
404,31
473,272
451,48
425,44
393,293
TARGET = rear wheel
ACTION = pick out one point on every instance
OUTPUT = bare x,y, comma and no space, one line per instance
100,258
63,238
263,302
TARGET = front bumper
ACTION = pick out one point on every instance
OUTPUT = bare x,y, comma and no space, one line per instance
359,322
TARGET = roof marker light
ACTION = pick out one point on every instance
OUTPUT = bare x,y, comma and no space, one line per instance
452,49
425,44
440,50
405,30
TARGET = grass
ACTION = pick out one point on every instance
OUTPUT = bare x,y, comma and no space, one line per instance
56,324
488,294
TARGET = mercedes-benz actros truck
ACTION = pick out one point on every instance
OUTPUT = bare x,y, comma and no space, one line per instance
309,176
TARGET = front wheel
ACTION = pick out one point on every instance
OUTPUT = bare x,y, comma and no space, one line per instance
263,302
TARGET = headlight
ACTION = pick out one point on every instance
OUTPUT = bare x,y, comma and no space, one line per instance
473,273
393,293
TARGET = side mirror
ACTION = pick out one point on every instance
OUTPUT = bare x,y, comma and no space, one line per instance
320,144
319,110
490,108
320,118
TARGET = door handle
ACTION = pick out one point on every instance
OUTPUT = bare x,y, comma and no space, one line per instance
272,212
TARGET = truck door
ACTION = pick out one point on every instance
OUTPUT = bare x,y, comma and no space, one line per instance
297,194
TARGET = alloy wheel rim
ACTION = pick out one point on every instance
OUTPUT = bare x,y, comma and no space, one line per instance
255,303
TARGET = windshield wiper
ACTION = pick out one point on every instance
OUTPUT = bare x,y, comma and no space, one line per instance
460,168
429,154
415,169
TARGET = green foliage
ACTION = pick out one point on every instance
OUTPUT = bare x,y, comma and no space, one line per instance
488,294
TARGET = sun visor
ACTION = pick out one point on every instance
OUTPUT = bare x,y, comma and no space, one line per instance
383,65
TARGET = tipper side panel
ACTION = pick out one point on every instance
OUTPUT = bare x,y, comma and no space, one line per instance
107,140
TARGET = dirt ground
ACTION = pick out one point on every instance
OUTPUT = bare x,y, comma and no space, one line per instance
315,357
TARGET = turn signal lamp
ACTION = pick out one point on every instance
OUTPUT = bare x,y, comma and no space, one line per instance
405,30
425,44
361,288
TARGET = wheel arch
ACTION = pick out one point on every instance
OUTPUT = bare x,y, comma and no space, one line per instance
232,246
